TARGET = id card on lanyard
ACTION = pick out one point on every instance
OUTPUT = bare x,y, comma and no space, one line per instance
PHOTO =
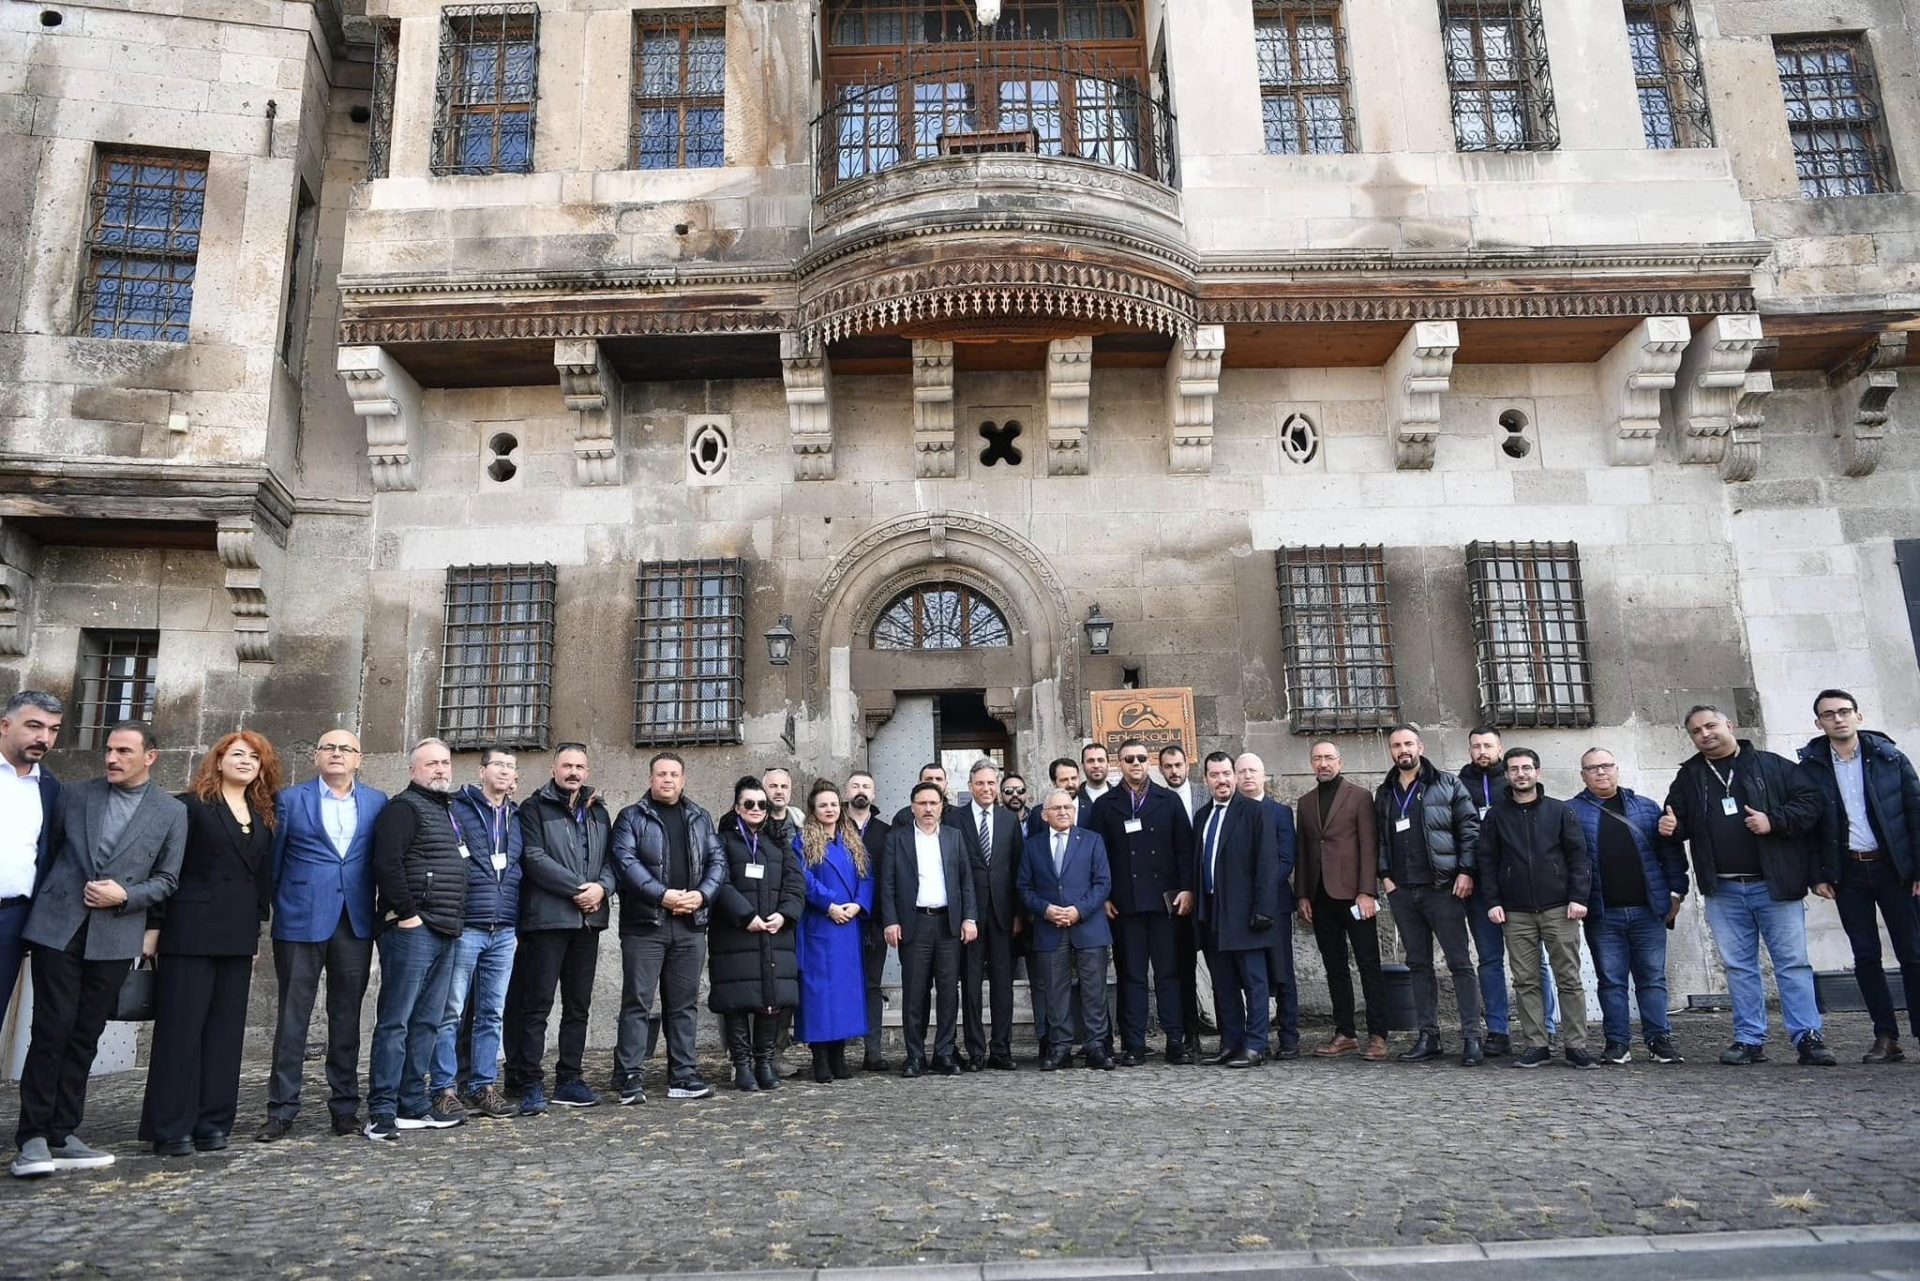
458,835
755,869
1729,804
1137,802
498,831
1405,823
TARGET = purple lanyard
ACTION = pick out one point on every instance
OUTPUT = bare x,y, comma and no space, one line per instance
1138,800
753,847
1408,799
1486,790
458,835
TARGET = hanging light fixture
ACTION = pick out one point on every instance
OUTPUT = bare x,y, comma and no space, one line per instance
1099,631
989,11
780,640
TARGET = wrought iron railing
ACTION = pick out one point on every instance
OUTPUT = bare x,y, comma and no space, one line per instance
989,95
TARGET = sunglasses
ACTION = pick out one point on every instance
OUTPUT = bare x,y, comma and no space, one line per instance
1013,791
1133,760
753,805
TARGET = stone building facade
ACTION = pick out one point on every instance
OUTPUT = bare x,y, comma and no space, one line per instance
1360,361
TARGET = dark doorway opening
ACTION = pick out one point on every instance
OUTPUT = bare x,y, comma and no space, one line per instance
963,732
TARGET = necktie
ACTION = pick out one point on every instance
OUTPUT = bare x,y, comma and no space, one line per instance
1213,835
1059,852
986,839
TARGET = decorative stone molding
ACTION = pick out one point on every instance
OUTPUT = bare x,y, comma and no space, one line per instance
252,552
386,396
533,320
809,380
1420,369
1641,366
1711,378
19,579
1069,404
876,709
1363,303
937,570
1863,386
595,393
1193,379
1742,458
934,444
990,293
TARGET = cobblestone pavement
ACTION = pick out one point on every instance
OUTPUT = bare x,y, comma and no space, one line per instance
1030,1165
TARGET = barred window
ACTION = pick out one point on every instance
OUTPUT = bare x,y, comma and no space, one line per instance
115,682
496,658
143,243
386,65
679,90
1497,70
941,616
1530,633
485,89
1667,74
690,653
1304,98
1833,114
861,23
1337,639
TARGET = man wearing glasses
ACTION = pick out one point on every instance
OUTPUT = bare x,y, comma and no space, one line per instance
322,923
1149,840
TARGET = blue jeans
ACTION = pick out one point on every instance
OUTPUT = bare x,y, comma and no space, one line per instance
483,961
416,967
1864,888
1741,915
1490,956
1631,942
12,949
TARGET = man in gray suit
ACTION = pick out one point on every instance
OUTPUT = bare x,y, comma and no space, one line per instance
119,848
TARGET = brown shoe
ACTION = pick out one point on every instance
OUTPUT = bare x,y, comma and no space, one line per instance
1886,1049
489,1102
448,1103
1376,1051
1338,1046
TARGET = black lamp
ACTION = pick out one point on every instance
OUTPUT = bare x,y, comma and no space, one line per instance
1099,630
780,640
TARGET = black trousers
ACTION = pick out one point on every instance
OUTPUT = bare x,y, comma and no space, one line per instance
873,958
199,1029
1142,940
929,962
1188,941
989,956
348,964
544,959
1425,915
1334,930
72,999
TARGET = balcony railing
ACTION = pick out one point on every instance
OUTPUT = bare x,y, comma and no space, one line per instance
992,96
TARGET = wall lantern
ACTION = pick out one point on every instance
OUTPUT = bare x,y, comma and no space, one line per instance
1099,630
780,640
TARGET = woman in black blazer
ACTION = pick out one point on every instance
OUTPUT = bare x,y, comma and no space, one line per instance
207,938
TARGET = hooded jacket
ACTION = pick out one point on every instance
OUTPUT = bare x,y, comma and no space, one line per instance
1893,802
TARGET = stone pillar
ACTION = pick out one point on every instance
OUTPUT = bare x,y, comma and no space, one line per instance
1069,404
1710,381
934,451
1632,376
1862,387
388,398
1193,379
19,577
1420,369
596,395
809,380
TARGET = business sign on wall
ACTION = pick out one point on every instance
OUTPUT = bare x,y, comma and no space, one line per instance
1154,716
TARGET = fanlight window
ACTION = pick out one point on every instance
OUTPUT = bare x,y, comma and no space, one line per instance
941,616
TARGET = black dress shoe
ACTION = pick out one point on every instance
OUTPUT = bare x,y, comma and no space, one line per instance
209,1142
873,1063
1239,1059
174,1147
1101,1062
345,1125
1052,1064
1472,1055
946,1067
1218,1060
1288,1051
276,1128
1180,1056
1255,1058
1424,1049
1003,1063
911,1069
1132,1058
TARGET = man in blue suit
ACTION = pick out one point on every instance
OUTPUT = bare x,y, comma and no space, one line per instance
322,921
29,797
1064,883
1251,773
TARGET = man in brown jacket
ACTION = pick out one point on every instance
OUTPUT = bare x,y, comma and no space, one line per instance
1335,885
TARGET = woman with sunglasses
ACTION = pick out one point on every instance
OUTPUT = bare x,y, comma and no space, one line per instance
839,872
752,967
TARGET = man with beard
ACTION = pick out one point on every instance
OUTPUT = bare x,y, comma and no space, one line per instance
1093,773
1484,776
859,793
28,730
1013,795
932,772
1149,840
1336,883
1250,775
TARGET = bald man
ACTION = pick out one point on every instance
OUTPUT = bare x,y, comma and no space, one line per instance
1250,775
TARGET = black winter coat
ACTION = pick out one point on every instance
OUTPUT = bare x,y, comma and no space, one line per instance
755,971
1452,823
563,848
1790,858
640,862
1893,802
1533,858
417,867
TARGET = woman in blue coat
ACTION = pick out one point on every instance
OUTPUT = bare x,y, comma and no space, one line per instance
839,876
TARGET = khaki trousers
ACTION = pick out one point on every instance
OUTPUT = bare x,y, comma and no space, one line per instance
1524,933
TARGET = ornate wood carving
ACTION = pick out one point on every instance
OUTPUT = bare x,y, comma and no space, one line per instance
1193,379
1712,376
809,382
1742,458
1365,302
1632,376
251,552
386,396
1069,404
1864,385
1420,369
934,445
19,581
594,392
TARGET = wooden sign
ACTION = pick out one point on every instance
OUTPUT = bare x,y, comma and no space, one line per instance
1154,716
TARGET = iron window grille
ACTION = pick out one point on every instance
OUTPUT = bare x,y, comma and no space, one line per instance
1667,74
485,89
496,656
1337,638
690,653
115,683
1530,634
1306,102
1833,114
1497,71
866,23
386,66
941,616
679,90
143,244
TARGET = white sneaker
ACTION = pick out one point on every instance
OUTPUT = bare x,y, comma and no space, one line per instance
75,1155
34,1161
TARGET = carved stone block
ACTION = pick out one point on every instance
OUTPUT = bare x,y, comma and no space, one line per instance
809,382
1069,404
1863,387
1742,460
1193,379
388,398
1710,381
934,447
1641,366
251,552
19,580
1420,369
595,394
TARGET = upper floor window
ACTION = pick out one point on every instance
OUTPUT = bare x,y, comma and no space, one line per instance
116,682
1497,70
496,656
1530,633
1667,74
691,656
386,66
1337,642
679,90
1833,113
485,91
1304,100
941,616
901,22
143,244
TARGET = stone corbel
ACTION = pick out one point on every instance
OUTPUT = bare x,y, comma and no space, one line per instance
876,709
389,399
1069,404
1711,378
252,553
809,380
1632,376
934,449
1193,379
19,578
1742,459
1863,386
591,388
1420,369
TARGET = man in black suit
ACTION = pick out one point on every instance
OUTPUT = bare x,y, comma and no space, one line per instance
1237,887
29,794
1149,841
928,913
932,772
994,844
859,793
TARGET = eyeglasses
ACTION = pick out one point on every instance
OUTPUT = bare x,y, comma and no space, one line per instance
1133,760
1599,769
1013,791
1837,713
340,748
753,805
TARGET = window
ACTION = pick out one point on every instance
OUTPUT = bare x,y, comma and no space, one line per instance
897,22
143,241
1497,69
690,656
386,63
941,616
496,658
679,90
1337,640
1833,114
1906,554
1303,77
1530,633
484,97
1666,72
116,681
299,305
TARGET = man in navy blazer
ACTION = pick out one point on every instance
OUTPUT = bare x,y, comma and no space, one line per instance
1250,772
29,810
323,920
1149,840
1065,881
1236,885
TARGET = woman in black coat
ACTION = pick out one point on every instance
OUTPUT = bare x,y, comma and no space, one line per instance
752,964
207,938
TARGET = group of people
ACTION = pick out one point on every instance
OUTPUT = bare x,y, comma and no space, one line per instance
484,906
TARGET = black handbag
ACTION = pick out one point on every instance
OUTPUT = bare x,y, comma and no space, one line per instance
136,995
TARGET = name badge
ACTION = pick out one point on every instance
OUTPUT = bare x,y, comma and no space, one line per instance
1484,809
1729,806
1403,825
1134,825
499,861
756,871
463,850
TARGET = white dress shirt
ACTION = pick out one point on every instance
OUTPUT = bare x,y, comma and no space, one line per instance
21,818
340,815
932,890
1851,776
1093,793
